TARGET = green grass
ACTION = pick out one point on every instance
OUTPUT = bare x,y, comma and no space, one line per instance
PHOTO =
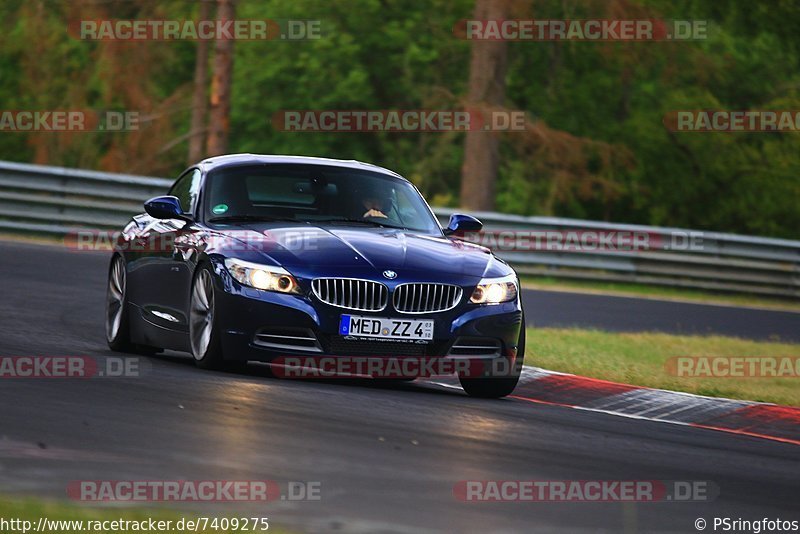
31,509
641,359
667,293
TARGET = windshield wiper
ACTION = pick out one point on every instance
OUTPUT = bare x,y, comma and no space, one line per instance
359,221
246,218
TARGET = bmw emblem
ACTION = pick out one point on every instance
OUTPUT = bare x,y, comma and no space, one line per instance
391,275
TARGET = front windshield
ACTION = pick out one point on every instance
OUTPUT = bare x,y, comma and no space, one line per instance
315,194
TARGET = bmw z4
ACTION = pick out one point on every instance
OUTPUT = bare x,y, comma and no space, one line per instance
258,258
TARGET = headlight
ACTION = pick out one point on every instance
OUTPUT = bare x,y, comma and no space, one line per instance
495,290
264,277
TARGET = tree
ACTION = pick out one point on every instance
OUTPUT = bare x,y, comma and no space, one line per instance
220,103
487,90
197,129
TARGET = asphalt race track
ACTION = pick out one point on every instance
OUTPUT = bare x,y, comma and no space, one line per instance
387,457
629,314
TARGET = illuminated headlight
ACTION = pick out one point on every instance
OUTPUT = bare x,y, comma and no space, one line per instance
265,277
495,290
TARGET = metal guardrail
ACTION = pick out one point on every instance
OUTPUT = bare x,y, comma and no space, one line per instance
721,262
56,201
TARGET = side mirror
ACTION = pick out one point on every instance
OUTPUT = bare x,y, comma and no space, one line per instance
167,207
460,222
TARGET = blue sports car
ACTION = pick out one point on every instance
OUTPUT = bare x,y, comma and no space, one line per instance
261,258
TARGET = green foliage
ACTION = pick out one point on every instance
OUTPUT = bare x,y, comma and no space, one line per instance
597,147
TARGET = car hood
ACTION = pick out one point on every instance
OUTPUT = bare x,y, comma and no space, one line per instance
309,251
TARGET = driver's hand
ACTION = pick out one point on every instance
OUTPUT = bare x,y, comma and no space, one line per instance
375,213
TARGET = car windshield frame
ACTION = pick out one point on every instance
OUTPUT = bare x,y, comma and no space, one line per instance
423,222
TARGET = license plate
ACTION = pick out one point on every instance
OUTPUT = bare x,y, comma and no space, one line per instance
402,329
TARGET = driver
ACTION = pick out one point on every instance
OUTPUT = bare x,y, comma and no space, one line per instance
376,202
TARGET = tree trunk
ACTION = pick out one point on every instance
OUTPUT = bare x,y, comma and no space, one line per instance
487,88
197,130
219,116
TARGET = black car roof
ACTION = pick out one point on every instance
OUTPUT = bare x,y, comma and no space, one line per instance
232,160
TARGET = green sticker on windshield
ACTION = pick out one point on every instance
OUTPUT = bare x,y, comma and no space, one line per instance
219,209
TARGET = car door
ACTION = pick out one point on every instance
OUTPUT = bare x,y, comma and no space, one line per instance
170,259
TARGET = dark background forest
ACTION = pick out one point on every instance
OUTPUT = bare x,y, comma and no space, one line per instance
595,145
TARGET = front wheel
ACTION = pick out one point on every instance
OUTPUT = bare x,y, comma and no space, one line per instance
117,332
489,387
204,336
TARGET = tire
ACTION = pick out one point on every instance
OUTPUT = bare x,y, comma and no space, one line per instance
494,388
117,329
118,333
204,334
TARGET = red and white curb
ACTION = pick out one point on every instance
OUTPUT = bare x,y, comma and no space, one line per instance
770,421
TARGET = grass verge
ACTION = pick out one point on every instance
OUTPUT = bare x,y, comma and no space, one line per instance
642,359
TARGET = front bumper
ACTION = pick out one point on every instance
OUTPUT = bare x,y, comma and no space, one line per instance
267,326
